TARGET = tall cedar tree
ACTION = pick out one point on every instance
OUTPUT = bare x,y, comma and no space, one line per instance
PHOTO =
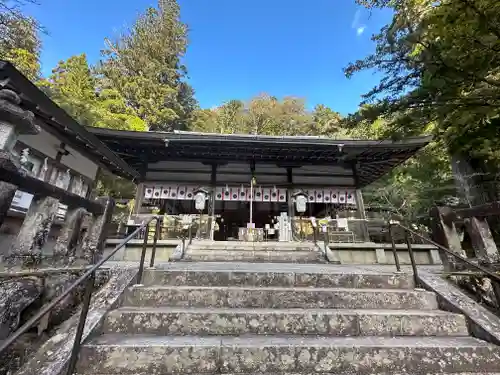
144,65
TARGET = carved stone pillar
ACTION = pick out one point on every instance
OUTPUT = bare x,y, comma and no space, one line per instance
482,240
93,242
65,247
445,233
13,122
27,248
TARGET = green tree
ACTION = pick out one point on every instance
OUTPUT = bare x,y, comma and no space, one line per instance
75,88
266,114
19,41
326,121
144,66
440,66
204,120
440,62
412,188
263,114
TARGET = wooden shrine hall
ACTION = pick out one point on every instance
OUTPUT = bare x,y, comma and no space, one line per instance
252,174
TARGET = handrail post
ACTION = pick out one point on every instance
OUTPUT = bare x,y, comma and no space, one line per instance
190,233
143,254
89,288
89,274
155,240
327,235
412,258
394,250
496,291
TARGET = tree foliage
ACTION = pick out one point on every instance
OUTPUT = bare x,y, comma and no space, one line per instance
19,40
73,86
440,66
440,62
144,66
267,115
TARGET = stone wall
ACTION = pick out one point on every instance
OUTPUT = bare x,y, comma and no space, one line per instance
22,296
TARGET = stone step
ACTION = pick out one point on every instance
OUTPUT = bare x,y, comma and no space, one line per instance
391,373
145,355
216,321
282,256
264,246
278,297
269,276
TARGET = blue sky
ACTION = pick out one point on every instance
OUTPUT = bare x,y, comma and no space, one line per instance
238,48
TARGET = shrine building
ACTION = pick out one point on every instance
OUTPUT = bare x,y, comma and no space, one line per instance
251,180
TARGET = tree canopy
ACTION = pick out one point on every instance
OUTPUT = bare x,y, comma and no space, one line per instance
73,86
440,62
144,66
440,66
19,39
268,115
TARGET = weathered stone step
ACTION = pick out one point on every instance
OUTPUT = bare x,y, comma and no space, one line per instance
250,247
277,297
141,355
251,276
331,373
255,256
198,321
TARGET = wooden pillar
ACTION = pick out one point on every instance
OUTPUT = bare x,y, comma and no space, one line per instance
289,192
211,201
360,204
289,200
139,198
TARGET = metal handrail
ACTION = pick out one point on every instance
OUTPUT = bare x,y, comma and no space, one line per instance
89,277
493,277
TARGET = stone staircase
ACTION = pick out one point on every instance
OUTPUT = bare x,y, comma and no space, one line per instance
262,318
275,252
